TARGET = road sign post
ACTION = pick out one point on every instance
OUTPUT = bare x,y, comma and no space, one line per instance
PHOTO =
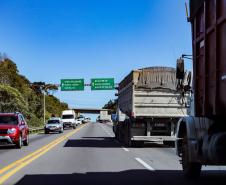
72,85
102,84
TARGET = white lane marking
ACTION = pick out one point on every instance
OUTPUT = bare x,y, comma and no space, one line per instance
144,164
106,131
127,150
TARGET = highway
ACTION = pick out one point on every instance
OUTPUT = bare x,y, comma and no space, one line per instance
90,155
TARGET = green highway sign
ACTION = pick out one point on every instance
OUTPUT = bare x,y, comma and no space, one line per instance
102,84
72,84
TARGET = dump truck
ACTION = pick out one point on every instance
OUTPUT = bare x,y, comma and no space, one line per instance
149,107
202,135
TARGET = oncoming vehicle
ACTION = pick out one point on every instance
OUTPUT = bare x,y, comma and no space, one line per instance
82,119
13,130
78,121
87,120
54,125
69,119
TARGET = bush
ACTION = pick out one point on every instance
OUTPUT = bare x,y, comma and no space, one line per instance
33,121
11,100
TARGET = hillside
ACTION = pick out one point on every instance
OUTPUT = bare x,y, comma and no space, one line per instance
18,94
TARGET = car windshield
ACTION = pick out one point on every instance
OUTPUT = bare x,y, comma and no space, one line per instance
53,122
8,120
67,116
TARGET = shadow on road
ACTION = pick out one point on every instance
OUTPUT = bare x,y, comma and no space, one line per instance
105,142
4,147
130,177
97,142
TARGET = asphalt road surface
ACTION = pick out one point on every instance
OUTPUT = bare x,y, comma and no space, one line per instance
90,155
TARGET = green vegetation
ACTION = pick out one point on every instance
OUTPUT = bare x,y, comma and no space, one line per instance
112,105
17,93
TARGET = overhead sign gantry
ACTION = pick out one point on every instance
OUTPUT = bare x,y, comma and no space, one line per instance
72,84
79,85
102,84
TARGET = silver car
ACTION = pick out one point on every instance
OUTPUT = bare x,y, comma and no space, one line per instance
54,125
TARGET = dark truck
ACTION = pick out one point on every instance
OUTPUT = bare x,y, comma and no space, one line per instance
202,136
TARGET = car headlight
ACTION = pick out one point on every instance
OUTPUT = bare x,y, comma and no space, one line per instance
11,131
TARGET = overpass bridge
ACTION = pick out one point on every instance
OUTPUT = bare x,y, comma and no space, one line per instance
90,110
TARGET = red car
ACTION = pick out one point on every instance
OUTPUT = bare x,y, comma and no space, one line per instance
13,129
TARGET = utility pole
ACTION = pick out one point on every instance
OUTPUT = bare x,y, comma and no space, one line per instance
44,107
42,88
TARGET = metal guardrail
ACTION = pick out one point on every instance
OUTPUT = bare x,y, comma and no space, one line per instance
35,130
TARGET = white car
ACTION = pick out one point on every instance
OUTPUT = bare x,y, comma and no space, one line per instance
54,125
86,120
78,121
81,118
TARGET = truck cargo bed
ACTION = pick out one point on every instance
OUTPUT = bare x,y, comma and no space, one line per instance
152,93
209,49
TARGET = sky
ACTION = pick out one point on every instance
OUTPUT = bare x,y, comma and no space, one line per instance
51,40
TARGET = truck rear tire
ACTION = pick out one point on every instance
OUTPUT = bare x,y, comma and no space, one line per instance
128,142
120,135
191,170
116,134
127,136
